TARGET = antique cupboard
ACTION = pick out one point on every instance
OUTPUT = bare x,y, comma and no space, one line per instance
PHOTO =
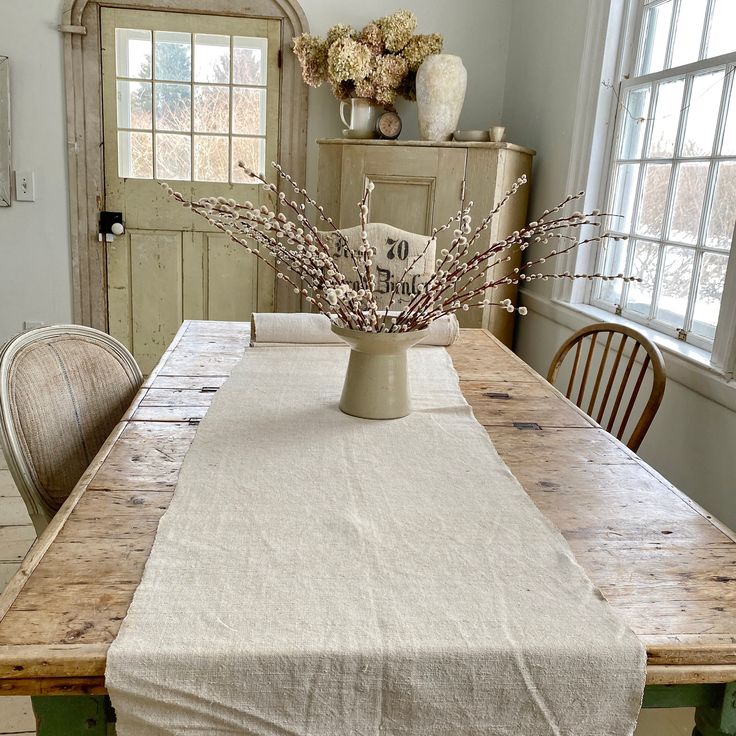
421,184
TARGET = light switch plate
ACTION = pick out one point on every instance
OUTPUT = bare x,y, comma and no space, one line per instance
25,186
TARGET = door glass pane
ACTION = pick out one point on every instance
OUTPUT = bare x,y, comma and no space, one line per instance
675,287
702,114
173,56
133,53
729,137
249,111
710,291
656,32
135,155
688,32
653,199
723,209
210,158
173,107
636,110
614,262
722,39
252,151
643,266
134,105
173,156
687,206
250,57
623,197
211,58
211,109
666,119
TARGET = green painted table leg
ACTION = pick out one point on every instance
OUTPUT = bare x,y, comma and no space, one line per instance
73,715
718,719
715,705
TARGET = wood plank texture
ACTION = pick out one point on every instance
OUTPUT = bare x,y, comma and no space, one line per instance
662,562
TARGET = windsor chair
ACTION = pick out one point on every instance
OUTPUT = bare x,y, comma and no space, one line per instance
623,381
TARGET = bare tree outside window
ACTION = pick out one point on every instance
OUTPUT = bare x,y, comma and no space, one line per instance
202,121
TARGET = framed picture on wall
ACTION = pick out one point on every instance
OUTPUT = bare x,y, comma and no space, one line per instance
4,132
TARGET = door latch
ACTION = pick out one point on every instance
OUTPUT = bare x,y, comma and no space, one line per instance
111,224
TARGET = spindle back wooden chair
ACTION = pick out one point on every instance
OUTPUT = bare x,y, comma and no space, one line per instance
623,381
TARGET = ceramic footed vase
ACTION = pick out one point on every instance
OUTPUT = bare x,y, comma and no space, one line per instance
377,382
441,84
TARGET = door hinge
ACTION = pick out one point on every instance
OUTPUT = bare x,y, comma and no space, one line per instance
279,59
78,30
462,190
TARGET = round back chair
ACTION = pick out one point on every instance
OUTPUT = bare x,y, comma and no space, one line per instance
62,391
615,379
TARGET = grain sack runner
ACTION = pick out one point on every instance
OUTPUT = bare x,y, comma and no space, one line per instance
321,575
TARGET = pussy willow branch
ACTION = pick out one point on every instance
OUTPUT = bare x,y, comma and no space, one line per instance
301,256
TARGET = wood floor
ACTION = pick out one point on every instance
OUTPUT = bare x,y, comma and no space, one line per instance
17,535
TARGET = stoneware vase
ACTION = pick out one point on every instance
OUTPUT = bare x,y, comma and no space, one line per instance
441,83
377,382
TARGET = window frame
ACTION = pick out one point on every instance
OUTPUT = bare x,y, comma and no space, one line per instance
628,49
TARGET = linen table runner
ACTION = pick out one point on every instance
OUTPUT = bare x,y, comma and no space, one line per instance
322,575
278,328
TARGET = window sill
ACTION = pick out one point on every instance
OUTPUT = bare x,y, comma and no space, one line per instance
685,364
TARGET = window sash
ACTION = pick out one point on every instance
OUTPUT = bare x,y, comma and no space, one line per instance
630,57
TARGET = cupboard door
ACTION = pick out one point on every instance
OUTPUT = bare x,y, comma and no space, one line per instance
416,188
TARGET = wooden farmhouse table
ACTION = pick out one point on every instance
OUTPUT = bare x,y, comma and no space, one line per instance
664,564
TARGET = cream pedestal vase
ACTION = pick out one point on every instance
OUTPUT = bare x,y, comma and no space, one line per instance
377,383
441,83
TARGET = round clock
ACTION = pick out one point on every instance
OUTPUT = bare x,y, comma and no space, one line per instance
388,125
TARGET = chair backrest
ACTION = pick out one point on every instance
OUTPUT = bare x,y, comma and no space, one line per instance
397,252
62,390
602,378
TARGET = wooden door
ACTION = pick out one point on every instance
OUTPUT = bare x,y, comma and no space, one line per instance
185,96
416,188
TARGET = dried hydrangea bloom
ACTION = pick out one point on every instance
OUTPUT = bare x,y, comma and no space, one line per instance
338,32
384,95
397,29
420,47
372,37
312,54
348,60
390,71
365,88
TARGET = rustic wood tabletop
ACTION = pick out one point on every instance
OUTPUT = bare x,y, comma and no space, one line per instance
664,564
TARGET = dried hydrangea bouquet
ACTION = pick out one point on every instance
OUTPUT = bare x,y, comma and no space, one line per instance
377,63
466,275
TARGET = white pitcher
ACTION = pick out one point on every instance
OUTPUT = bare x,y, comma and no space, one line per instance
361,118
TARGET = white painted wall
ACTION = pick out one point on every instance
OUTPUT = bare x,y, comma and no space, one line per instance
690,438
35,269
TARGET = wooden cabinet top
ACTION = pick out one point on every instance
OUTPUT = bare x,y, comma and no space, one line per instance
426,144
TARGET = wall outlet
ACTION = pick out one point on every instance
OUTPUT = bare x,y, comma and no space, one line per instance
25,186
32,325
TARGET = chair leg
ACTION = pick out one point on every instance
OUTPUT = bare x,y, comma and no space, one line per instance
73,715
